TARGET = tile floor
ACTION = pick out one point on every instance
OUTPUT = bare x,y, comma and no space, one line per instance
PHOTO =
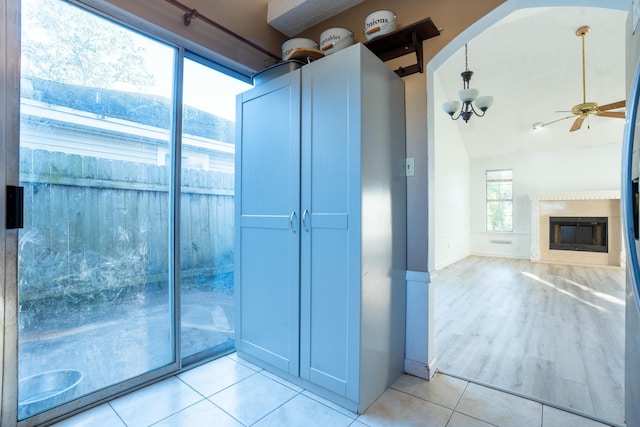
232,392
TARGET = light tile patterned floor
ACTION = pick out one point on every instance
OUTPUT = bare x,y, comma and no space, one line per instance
230,392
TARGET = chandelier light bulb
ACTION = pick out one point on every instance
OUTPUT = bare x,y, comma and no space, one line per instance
450,107
468,95
483,103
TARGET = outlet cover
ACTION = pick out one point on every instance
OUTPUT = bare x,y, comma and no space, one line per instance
409,166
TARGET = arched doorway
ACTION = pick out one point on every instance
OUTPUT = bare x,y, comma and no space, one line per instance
504,52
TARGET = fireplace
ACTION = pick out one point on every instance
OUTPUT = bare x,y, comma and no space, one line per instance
578,234
579,204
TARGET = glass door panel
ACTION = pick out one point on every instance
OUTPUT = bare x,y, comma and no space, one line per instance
95,302
206,224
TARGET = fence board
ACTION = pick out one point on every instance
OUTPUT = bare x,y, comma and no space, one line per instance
86,217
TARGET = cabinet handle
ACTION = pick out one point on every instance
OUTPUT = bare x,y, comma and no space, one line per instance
292,219
305,214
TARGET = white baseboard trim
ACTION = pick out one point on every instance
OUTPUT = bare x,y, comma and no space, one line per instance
448,262
497,255
420,370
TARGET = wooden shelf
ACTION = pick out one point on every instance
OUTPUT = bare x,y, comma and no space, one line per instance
402,42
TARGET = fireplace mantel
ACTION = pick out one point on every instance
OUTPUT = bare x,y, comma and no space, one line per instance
537,198
575,195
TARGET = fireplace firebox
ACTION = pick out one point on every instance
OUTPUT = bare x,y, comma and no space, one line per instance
578,234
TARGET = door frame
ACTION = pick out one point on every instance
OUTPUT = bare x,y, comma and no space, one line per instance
9,148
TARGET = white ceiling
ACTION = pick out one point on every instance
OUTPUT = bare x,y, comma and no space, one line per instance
530,61
291,17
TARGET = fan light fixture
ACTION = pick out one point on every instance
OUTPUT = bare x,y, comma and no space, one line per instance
470,102
585,110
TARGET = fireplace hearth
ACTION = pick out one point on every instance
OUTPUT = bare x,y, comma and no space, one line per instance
578,234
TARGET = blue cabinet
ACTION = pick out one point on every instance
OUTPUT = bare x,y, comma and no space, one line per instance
321,227
267,247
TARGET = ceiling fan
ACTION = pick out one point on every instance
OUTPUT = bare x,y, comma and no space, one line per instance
586,109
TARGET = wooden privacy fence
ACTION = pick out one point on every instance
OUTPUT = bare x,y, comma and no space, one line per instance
96,225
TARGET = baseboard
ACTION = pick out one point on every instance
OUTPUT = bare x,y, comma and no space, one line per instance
448,262
497,255
420,370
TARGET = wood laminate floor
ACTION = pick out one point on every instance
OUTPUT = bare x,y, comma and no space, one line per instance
551,332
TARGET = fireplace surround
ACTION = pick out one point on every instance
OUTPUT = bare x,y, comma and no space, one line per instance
594,204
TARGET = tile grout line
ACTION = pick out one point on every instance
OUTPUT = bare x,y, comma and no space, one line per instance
274,409
223,410
455,411
116,412
461,394
420,398
534,399
207,398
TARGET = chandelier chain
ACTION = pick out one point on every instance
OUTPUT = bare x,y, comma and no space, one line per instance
466,58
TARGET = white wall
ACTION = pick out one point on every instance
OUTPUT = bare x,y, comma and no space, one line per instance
451,178
593,168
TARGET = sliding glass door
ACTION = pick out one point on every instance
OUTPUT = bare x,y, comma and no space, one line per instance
206,210
101,265
95,296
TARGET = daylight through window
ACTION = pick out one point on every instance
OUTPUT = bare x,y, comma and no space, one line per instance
499,200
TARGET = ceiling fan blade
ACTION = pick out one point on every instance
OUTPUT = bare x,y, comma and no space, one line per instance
577,124
556,120
615,114
613,106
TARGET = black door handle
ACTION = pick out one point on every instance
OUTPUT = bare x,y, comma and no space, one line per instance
15,207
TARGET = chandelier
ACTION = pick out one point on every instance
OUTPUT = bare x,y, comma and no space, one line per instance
470,102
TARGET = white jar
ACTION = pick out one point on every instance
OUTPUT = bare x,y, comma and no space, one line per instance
379,23
334,39
299,42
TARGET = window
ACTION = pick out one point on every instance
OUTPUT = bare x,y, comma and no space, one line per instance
499,200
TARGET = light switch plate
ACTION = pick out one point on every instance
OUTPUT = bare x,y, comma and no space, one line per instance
409,166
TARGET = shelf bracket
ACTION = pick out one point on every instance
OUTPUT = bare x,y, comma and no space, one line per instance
418,67
417,44
404,41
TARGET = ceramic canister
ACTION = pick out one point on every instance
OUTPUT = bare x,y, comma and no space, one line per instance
299,42
378,23
334,39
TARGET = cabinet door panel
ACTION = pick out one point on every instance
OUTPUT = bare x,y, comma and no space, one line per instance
330,242
267,221
266,295
329,308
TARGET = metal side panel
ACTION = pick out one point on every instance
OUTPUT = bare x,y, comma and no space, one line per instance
384,216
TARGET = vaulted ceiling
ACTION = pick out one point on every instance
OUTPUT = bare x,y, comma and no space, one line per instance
530,61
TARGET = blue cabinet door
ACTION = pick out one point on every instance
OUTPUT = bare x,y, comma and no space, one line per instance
330,188
267,222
